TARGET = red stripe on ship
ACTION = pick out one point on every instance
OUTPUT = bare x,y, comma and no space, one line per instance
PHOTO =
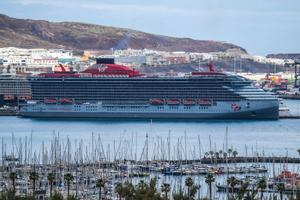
205,102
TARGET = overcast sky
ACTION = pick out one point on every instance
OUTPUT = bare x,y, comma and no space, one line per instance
260,26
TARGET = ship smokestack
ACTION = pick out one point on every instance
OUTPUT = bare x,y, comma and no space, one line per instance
105,60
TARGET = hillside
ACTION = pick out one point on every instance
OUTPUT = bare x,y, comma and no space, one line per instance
246,66
26,33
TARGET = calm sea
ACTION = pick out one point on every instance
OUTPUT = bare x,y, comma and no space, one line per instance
166,139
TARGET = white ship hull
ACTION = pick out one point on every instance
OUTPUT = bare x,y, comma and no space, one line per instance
254,109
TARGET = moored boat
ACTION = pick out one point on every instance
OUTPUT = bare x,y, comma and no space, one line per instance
116,91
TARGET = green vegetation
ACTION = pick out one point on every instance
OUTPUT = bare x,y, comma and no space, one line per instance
13,177
10,195
33,176
209,179
51,178
165,188
261,185
68,178
100,184
280,187
237,189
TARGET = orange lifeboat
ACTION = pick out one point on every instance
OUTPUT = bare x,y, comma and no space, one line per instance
156,101
189,102
287,175
173,101
24,97
50,100
205,102
65,101
8,97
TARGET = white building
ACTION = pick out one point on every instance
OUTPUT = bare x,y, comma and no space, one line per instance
17,60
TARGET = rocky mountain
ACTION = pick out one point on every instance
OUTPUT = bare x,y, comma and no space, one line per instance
27,33
245,66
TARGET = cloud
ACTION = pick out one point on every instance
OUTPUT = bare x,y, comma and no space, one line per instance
117,7
195,10
29,2
139,8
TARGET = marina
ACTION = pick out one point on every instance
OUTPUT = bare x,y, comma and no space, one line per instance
170,151
64,158
149,100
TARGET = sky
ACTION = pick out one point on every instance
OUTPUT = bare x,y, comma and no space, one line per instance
260,26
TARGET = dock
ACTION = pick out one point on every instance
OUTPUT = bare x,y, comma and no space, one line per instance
289,117
241,159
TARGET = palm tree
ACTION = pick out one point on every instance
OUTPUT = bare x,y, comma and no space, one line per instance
165,188
220,152
142,185
13,177
152,183
206,154
194,190
234,153
119,189
243,189
211,154
225,156
34,177
209,179
178,196
229,152
100,184
217,156
68,178
51,178
129,190
261,185
232,182
189,183
280,187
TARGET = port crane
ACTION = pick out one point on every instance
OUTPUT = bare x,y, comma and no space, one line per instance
296,65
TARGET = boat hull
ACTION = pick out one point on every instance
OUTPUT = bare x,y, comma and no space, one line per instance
264,111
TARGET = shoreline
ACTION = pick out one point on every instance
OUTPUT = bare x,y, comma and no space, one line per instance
8,114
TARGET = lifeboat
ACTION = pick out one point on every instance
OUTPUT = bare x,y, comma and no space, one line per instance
173,101
287,175
24,97
65,101
205,102
156,101
50,100
8,97
189,102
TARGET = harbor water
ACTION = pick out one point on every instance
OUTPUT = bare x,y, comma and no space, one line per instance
92,140
248,137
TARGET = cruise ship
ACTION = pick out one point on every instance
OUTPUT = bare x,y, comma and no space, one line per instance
108,90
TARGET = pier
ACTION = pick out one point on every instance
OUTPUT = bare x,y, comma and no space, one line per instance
240,159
